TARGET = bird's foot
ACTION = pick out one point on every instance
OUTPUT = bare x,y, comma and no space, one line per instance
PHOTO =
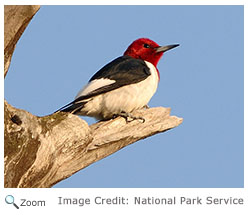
128,116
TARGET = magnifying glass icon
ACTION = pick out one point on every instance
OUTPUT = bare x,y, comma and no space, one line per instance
10,200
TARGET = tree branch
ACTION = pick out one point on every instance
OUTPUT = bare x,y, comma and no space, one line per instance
41,151
16,19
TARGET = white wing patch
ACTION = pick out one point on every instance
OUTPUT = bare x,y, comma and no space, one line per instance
94,85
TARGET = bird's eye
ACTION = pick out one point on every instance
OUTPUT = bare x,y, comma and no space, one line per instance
146,45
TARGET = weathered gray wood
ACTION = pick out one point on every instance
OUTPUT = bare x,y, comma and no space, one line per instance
41,151
16,19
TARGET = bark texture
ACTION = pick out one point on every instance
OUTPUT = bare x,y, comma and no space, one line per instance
16,18
41,151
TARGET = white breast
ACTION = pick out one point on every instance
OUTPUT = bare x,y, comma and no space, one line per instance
127,98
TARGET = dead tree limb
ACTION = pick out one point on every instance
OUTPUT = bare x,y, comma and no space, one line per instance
41,151
16,19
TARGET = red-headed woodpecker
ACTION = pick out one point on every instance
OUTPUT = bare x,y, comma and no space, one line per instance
123,85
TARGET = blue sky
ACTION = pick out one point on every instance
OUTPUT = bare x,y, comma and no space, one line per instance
202,81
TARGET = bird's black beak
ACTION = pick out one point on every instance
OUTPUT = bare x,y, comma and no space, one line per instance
166,48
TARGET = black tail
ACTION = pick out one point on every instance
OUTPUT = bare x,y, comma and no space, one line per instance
72,107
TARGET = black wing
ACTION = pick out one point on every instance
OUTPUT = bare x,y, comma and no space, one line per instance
124,70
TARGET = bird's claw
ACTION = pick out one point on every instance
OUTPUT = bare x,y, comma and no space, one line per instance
128,116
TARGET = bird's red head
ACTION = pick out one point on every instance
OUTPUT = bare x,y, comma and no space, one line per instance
147,49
